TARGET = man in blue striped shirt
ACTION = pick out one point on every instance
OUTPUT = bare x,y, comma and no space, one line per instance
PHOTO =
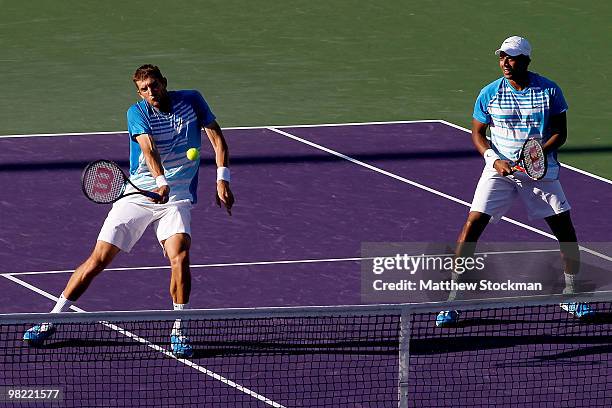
520,105
162,127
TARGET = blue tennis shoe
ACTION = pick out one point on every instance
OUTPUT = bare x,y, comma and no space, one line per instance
38,334
579,310
181,346
447,318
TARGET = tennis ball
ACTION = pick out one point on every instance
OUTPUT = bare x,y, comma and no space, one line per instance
193,154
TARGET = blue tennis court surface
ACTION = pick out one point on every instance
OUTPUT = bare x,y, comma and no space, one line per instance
307,198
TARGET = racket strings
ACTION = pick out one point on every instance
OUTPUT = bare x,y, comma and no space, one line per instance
533,159
103,182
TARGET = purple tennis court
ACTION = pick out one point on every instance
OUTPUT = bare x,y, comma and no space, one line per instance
307,198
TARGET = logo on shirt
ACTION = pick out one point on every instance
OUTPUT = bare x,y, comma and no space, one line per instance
177,123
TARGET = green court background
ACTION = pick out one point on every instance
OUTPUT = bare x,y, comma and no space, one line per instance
66,65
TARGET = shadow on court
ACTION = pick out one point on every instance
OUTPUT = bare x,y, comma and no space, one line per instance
245,160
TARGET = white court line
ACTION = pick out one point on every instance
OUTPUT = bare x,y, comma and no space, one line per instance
155,347
198,266
286,262
567,166
396,122
423,187
586,173
393,122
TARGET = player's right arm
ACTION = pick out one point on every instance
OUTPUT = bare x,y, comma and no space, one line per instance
151,155
479,138
481,118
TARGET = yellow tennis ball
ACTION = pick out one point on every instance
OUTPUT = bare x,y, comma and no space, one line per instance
193,154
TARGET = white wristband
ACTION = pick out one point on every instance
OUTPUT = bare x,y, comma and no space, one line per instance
490,157
161,181
223,173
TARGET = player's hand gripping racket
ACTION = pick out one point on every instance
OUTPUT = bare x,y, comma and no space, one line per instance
532,160
104,182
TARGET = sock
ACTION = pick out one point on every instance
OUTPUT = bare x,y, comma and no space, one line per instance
454,293
61,305
179,328
570,283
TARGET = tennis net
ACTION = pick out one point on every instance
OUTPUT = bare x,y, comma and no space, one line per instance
524,352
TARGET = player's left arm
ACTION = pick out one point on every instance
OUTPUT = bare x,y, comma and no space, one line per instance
224,193
558,133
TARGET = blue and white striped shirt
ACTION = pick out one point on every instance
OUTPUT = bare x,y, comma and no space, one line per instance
513,116
174,133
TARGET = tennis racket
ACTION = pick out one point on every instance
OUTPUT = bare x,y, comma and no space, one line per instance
104,182
532,160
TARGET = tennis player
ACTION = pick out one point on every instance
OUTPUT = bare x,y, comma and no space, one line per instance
520,105
162,127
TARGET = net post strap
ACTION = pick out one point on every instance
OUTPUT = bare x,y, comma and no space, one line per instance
404,359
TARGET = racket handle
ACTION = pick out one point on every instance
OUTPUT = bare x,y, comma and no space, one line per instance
516,167
152,195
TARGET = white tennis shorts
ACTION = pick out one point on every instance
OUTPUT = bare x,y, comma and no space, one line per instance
495,195
130,216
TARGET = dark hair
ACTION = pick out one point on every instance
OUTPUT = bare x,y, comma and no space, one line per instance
525,57
147,71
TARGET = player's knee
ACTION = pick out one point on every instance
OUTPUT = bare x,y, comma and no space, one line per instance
472,228
94,266
567,237
469,225
477,220
97,262
562,227
102,256
570,250
179,258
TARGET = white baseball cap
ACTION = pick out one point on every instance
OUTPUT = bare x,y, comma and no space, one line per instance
514,46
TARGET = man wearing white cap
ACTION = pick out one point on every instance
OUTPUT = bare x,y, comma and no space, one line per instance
519,105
